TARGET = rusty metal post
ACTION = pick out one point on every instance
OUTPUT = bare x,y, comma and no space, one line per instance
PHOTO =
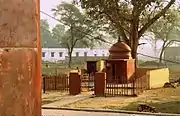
20,58
100,84
74,84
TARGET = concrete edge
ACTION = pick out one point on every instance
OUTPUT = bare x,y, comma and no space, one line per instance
111,111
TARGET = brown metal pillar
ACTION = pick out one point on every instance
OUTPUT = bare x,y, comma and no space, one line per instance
100,84
74,84
20,58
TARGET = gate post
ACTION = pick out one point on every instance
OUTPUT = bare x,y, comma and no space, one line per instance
100,84
74,84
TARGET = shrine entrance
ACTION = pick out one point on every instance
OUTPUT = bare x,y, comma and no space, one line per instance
87,83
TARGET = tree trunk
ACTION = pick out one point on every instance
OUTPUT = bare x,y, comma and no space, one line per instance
134,42
162,51
119,38
70,59
134,35
134,50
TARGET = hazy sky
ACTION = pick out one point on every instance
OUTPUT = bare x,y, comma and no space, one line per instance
46,6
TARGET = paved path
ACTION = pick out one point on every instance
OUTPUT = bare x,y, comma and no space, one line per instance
81,113
68,100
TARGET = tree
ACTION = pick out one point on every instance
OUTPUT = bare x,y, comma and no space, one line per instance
150,38
58,32
78,28
128,18
167,30
46,35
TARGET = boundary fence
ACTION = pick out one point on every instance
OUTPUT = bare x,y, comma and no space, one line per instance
55,83
120,86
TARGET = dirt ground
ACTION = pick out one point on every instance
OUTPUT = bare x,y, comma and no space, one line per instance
82,113
166,100
50,97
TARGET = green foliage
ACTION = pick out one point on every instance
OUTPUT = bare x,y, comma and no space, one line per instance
128,19
120,14
58,31
47,40
78,31
77,22
167,29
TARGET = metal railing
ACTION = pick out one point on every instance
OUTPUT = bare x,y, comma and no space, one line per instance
121,86
55,83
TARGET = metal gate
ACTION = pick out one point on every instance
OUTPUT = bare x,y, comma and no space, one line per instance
120,86
87,83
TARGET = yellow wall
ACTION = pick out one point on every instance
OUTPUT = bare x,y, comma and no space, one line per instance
158,77
100,65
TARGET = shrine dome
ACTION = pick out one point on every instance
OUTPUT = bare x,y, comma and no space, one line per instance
120,50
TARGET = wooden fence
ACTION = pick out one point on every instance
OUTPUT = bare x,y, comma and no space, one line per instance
55,83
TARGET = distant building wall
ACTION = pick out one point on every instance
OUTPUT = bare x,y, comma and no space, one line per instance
61,54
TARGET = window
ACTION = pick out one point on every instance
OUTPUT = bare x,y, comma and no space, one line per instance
43,54
60,54
77,54
52,54
85,53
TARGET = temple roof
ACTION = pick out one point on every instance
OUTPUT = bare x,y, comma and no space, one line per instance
120,47
120,50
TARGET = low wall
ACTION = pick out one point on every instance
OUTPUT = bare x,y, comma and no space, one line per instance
158,77
142,71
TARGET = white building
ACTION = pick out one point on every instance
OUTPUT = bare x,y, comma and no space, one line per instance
59,54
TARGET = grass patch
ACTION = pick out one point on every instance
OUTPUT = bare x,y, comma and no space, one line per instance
57,68
163,107
166,100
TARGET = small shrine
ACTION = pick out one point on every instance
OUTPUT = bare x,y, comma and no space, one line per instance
120,65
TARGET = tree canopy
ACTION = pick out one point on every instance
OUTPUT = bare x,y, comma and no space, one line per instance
78,29
130,19
47,40
167,29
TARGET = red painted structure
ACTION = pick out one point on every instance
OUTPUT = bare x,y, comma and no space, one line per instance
120,65
74,84
20,58
100,84
120,50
